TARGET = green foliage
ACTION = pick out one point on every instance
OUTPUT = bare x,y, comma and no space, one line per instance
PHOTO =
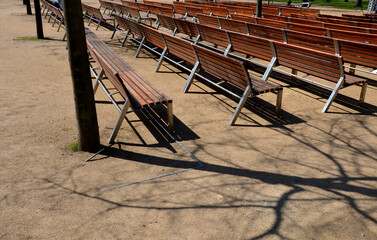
74,146
334,3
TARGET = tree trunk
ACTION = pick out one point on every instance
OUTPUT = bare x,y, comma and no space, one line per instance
38,19
82,85
28,7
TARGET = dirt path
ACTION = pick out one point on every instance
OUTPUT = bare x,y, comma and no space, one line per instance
306,176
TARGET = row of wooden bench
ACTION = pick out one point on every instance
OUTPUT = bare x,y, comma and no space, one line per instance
94,14
354,53
325,66
326,23
367,38
53,12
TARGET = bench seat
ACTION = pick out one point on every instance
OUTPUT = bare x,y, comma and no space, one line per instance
138,92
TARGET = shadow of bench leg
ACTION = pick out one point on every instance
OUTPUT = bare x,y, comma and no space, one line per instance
119,122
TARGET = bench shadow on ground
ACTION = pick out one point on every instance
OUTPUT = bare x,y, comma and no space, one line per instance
340,187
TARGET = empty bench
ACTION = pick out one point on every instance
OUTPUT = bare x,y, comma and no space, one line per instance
137,92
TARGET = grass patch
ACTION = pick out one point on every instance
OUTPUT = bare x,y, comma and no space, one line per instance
30,38
74,146
333,3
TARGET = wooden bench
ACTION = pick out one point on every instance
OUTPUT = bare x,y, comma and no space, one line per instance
150,36
244,11
180,9
166,22
233,25
328,67
137,92
193,11
122,24
186,27
232,71
94,14
106,6
209,20
219,11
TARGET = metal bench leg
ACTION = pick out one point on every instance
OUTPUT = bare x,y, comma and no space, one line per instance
333,94
119,122
55,18
60,24
99,77
363,92
99,22
161,60
191,77
268,71
115,29
139,48
279,99
170,117
352,71
90,20
240,105
125,38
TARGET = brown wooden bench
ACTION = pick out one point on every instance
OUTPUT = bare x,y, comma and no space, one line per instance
137,92
180,9
166,22
219,11
106,6
193,11
209,20
233,72
94,14
322,65
121,24
233,25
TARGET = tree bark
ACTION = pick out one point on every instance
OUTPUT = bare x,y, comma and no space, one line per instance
88,135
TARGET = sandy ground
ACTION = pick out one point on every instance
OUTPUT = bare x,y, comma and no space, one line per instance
307,175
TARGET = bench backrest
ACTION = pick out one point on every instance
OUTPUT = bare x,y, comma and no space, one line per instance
213,35
308,29
166,21
222,67
134,13
209,20
142,7
154,9
193,11
251,45
180,48
354,36
359,53
271,22
152,36
233,25
320,43
265,31
186,27
245,11
310,12
134,28
345,27
122,22
320,64
167,11
179,9
289,11
219,11
306,22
